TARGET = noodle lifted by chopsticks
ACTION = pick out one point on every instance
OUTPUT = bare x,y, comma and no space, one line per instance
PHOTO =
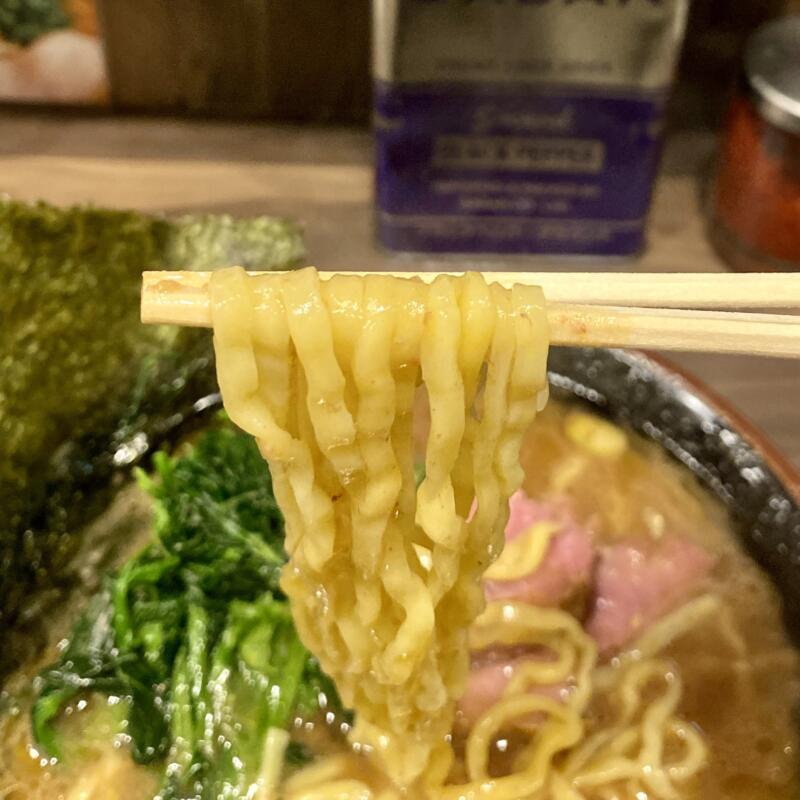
324,375
384,577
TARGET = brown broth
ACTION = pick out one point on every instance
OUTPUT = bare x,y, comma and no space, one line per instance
746,716
745,712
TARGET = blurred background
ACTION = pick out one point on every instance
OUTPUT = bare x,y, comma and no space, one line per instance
265,107
301,61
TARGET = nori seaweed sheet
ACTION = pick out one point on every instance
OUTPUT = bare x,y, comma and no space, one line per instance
85,388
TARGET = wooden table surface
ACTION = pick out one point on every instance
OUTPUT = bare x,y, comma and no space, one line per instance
323,177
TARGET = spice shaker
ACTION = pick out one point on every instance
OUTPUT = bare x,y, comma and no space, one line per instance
756,192
528,127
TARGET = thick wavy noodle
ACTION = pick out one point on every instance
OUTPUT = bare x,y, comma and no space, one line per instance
643,749
324,375
628,757
384,577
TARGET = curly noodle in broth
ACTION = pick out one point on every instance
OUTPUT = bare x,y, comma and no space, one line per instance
384,577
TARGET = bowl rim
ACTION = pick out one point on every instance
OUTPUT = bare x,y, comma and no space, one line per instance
785,471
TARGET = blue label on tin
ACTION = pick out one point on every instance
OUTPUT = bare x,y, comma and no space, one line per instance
514,169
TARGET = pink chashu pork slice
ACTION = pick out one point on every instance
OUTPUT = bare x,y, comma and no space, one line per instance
490,672
634,583
567,564
640,580
565,570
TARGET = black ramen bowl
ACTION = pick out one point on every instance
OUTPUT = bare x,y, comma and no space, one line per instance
728,456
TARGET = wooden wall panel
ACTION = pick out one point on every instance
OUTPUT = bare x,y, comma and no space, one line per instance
282,59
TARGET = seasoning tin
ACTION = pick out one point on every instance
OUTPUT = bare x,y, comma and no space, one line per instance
520,126
756,194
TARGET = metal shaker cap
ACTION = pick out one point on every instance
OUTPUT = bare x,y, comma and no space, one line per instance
772,69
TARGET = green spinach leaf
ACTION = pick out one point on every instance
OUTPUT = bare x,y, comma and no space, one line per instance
195,631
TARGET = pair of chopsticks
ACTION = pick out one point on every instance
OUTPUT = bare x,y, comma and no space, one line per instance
669,311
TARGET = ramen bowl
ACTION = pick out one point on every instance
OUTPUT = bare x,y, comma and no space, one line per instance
730,458
730,473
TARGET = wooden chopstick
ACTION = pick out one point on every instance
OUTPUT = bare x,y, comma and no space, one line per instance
675,329
646,290
653,289
181,298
